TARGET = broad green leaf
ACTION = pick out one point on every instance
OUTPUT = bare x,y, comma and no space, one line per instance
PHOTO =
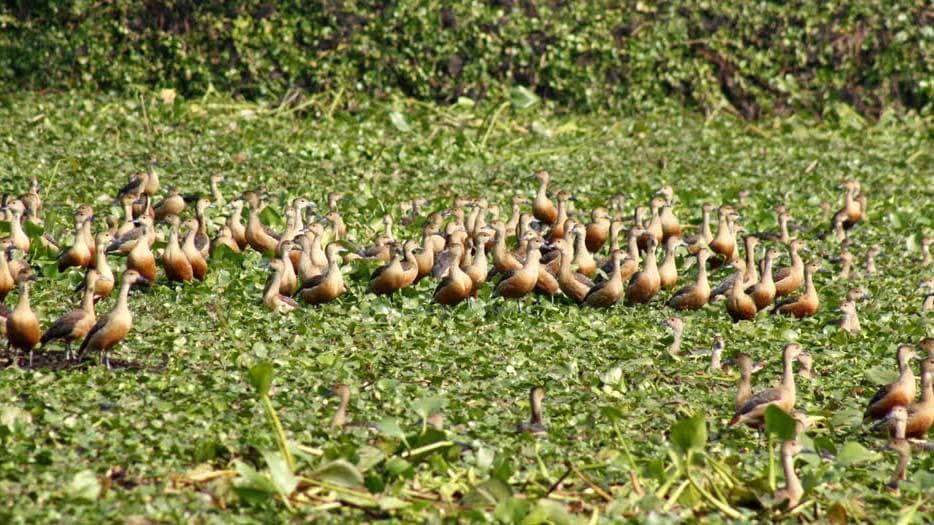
339,472
690,434
852,453
389,427
251,485
548,511
84,486
427,406
522,97
260,376
488,493
399,122
778,422
282,477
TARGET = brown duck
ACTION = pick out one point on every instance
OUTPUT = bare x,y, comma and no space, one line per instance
329,285
695,296
645,284
899,393
807,303
74,325
112,329
753,411
22,325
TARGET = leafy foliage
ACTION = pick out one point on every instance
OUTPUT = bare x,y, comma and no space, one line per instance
752,58
185,437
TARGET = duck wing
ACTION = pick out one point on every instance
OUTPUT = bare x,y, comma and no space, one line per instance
62,326
760,398
94,329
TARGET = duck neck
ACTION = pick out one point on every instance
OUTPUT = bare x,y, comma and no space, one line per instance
190,239
275,284
675,347
788,376
751,260
123,299
580,244
87,300
536,407
532,259
23,303
651,265
173,238
927,387
705,226
788,466
767,271
715,356
809,283
702,272
783,228
542,189
565,268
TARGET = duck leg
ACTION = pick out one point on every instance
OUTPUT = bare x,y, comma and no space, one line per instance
67,352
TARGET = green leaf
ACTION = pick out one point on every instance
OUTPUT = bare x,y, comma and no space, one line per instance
270,217
251,485
488,493
512,510
690,434
521,97
852,453
282,477
548,511
399,122
33,230
260,376
778,422
84,486
427,406
389,427
339,472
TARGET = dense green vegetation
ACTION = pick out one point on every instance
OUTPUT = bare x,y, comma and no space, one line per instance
139,444
753,58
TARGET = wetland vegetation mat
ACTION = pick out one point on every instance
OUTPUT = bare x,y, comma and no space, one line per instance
182,429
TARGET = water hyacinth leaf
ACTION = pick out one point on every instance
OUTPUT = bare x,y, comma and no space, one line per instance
260,376
399,122
339,472
282,477
779,423
548,511
427,406
84,486
389,427
522,97
689,434
853,453
251,485
488,493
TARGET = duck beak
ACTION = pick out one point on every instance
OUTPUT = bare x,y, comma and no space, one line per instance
142,282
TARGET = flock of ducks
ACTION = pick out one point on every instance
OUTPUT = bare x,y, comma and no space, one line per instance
554,253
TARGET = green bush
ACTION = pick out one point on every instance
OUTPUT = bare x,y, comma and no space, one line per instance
759,57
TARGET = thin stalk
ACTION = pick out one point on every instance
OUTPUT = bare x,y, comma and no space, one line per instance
772,483
493,119
280,433
722,506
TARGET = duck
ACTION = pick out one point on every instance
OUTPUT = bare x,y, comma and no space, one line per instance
927,345
110,330
677,331
79,254
607,293
695,296
598,230
606,264
645,284
899,393
235,223
329,285
753,411
899,418
790,278
739,304
456,285
288,280
478,270
807,303
724,243
705,237
389,277
846,263
921,413
671,227
338,227
852,211
273,298
850,321
558,230
516,284
173,204
224,238
202,240
575,285
654,227
340,420
7,282
216,194
141,258
534,425
22,325
143,229
176,265
750,278
18,237
542,208
744,384
104,282
763,292
425,258
135,187
668,270
806,370
259,236
790,495
199,266
409,263
74,325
